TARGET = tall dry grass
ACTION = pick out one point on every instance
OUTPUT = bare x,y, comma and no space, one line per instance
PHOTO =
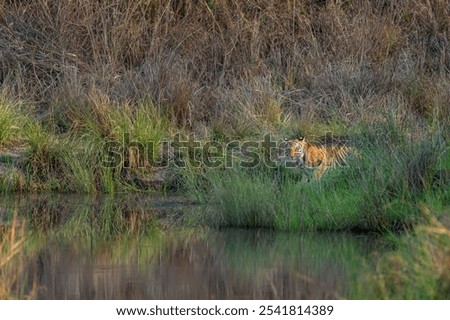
239,62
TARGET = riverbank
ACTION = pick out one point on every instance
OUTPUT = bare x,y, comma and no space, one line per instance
132,150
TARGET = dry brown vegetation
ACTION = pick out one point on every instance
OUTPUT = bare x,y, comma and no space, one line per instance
233,63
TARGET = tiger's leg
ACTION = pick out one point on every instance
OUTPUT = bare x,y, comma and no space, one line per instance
320,170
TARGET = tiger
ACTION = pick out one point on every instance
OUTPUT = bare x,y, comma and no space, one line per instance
314,156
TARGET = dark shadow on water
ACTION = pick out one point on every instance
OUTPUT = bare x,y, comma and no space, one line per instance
134,248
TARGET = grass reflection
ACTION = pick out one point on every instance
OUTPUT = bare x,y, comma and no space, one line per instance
69,247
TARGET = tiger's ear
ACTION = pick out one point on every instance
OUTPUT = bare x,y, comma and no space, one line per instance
301,138
285,139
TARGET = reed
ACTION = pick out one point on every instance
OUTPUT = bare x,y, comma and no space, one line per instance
12,240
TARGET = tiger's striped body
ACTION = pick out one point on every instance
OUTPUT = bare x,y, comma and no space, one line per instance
316,156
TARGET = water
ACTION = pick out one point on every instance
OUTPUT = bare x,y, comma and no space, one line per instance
146,248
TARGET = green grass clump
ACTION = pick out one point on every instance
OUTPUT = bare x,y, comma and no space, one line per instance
378,190
418,268
12,179
137,128
73,153
12,121
243,201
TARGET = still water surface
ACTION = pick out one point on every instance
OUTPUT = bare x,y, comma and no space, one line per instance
145,248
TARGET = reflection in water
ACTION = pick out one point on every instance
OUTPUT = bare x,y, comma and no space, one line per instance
102,249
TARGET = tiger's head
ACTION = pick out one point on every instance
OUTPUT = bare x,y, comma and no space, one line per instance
296,149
